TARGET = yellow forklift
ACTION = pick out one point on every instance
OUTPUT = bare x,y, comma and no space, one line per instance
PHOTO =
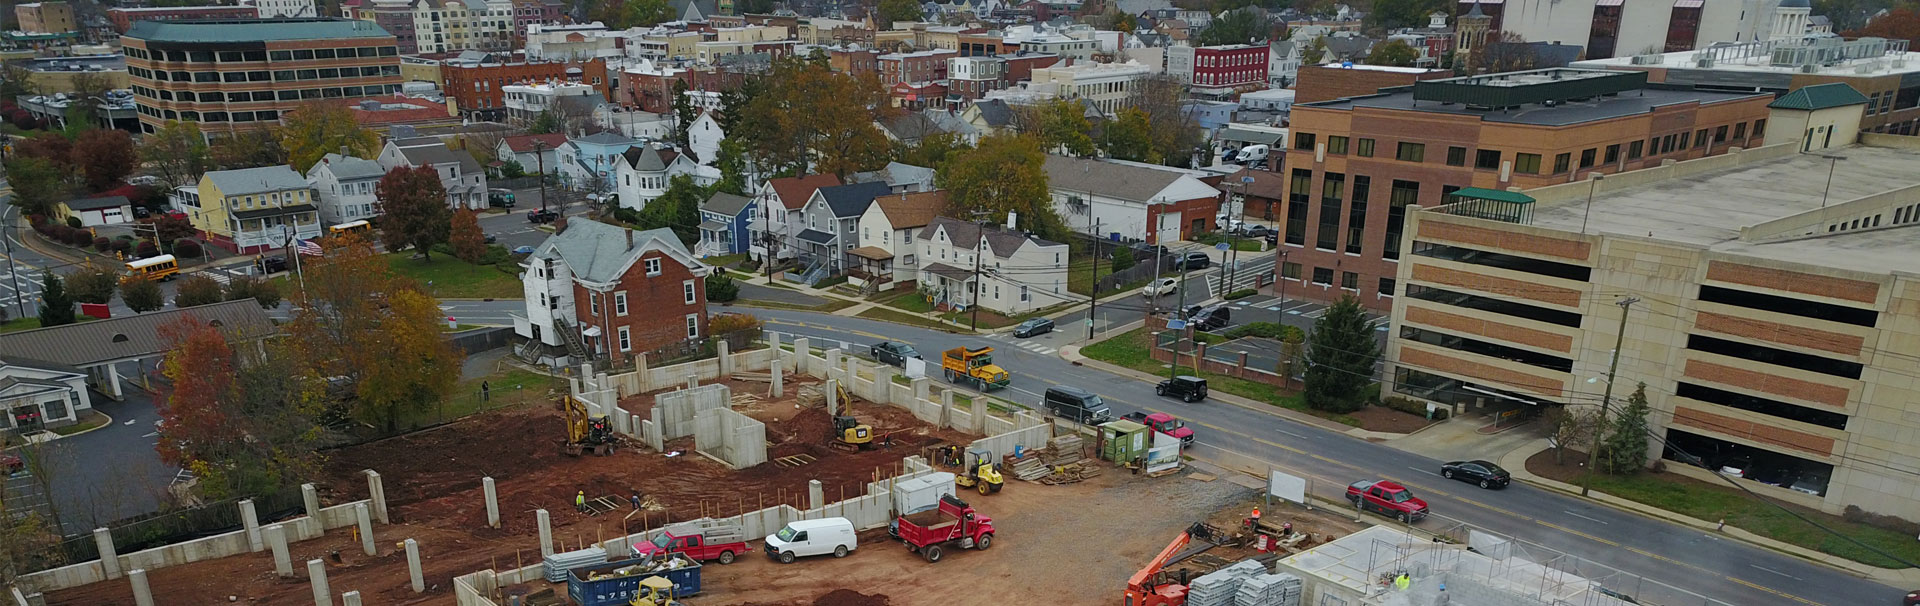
980,473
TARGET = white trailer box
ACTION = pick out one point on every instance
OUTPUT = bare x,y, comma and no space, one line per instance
921,493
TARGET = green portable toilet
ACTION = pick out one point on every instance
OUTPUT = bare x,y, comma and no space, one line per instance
1122,441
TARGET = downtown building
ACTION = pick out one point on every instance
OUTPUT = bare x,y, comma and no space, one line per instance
1774,315
243,74
1354,165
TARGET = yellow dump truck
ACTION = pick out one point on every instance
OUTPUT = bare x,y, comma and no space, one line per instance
975,366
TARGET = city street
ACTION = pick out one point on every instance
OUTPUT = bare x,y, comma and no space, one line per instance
1693,565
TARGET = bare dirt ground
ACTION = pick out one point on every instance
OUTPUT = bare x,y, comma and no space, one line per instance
1383,419
434,495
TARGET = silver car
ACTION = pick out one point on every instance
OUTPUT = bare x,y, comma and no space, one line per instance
1162,286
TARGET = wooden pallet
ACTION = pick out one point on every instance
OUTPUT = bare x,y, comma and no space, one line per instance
794,461
604,505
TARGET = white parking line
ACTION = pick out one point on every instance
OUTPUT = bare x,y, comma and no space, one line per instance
1424,471
1586,518
1777,572
1298,304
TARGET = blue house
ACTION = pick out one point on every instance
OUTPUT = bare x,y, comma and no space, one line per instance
590,162
723,224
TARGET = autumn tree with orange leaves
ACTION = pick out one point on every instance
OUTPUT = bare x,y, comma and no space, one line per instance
241,426
378,332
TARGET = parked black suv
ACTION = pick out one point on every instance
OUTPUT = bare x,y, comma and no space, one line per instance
1077,405
270,265
1186,387
1210,317
541,216
1192,260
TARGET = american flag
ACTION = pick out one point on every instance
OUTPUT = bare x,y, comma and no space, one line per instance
309,248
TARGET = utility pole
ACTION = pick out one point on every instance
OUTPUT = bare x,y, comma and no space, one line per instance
979,246
540,159
1606,398
1095,308
1231,268
1179,311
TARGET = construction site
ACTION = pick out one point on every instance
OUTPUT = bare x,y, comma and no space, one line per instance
592,500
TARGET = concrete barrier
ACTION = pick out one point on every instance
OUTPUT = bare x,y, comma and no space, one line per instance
1003,444
674,412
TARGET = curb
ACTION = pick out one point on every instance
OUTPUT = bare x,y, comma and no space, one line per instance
1516,461
57,437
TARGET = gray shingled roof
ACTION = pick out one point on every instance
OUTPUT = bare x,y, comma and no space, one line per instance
256,180
1106,178
346,168
996,112
649,159
428,155
607,137
726,204
896,174
597,252
853,199
134,336
964,234
98,203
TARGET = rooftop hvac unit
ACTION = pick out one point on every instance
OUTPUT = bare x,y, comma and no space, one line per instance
1810,68
1703,62
1645,60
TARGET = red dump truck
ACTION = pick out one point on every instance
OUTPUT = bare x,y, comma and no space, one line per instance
953,522
703,539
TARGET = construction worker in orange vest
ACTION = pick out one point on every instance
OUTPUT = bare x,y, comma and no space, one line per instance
1253,521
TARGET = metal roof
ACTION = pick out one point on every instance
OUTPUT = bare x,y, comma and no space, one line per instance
815,236
346,168
135,336
254,30
1820,96
264,179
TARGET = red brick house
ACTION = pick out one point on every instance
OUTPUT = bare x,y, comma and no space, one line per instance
596,291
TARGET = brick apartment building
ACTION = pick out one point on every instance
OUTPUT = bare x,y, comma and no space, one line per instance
1219,72
474,88
1355,164
915,67
1329,82
123,18
612,292
242,74
858,62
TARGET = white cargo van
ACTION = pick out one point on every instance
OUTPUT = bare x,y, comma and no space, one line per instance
811,538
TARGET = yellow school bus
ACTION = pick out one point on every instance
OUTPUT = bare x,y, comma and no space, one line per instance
351,227
163,267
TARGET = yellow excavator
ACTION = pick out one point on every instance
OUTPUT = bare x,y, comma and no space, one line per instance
850,435
586,432
980,474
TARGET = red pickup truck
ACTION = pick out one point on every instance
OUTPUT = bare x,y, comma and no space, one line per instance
1164,423
1387,498
703,539
953,521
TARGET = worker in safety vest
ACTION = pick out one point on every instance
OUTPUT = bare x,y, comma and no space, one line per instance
1401,582
580,501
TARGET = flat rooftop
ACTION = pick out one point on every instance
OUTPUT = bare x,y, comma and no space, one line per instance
254,30
1709,209
1562,114
1854,58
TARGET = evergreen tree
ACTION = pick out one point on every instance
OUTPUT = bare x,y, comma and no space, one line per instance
56,308
1340,357
683,112
1625,449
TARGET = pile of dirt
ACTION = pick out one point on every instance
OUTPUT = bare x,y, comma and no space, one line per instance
849,597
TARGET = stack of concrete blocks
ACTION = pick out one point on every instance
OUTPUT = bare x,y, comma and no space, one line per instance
1269,590
735,439
1220,587
674,412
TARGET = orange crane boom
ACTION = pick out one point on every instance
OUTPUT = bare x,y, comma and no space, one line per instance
1148,588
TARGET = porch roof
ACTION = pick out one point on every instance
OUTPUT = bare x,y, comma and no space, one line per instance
815,236
874,253
950,272
274,212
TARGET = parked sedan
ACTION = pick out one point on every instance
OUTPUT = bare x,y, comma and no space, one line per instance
895,354
1483,473
1160,287
1033,327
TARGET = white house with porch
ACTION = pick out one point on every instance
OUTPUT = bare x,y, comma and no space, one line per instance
887,256
828,231
1016,273
41,395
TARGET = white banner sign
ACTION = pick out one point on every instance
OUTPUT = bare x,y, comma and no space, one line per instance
916,368
1165,453
1286,487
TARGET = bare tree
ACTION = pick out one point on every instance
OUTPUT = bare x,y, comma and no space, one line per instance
1571,427
483,141
1503,52
1175,133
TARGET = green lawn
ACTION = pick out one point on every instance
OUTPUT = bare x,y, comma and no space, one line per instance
91,421
32,322
1130,351
1242,244
447,277
510,386
1080,274
901,317
727,261
1713,502
832,305
912,301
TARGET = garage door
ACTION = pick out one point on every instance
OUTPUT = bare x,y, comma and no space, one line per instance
1168,229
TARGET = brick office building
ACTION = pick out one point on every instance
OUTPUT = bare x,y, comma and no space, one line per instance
242,74
603,291
473,87
1355,164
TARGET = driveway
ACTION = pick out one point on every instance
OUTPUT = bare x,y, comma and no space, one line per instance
112,472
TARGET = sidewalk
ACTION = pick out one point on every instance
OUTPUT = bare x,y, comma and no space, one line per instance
1516,463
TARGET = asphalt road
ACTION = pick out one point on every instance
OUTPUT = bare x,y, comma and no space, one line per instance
1659,562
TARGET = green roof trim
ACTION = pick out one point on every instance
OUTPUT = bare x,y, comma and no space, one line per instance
1820,96
1481,193
254,30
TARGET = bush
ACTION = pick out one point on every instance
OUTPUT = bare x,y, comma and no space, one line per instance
145,249
731,322
1269,330
186,249
102,244
123,246
626,215
1241,294
720,288
496,255
80,237
1417,408
1122,259
1853,513
74,222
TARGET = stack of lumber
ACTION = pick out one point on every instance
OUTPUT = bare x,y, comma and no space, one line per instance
1063,450
744,399
1068,474
1027,468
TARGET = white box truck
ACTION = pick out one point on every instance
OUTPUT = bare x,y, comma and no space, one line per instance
919,494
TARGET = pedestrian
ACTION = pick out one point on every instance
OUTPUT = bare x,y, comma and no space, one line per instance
636,501
580,501
485,390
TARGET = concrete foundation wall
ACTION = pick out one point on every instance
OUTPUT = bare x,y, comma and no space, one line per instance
674,412
735,439
1002,444
997,425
